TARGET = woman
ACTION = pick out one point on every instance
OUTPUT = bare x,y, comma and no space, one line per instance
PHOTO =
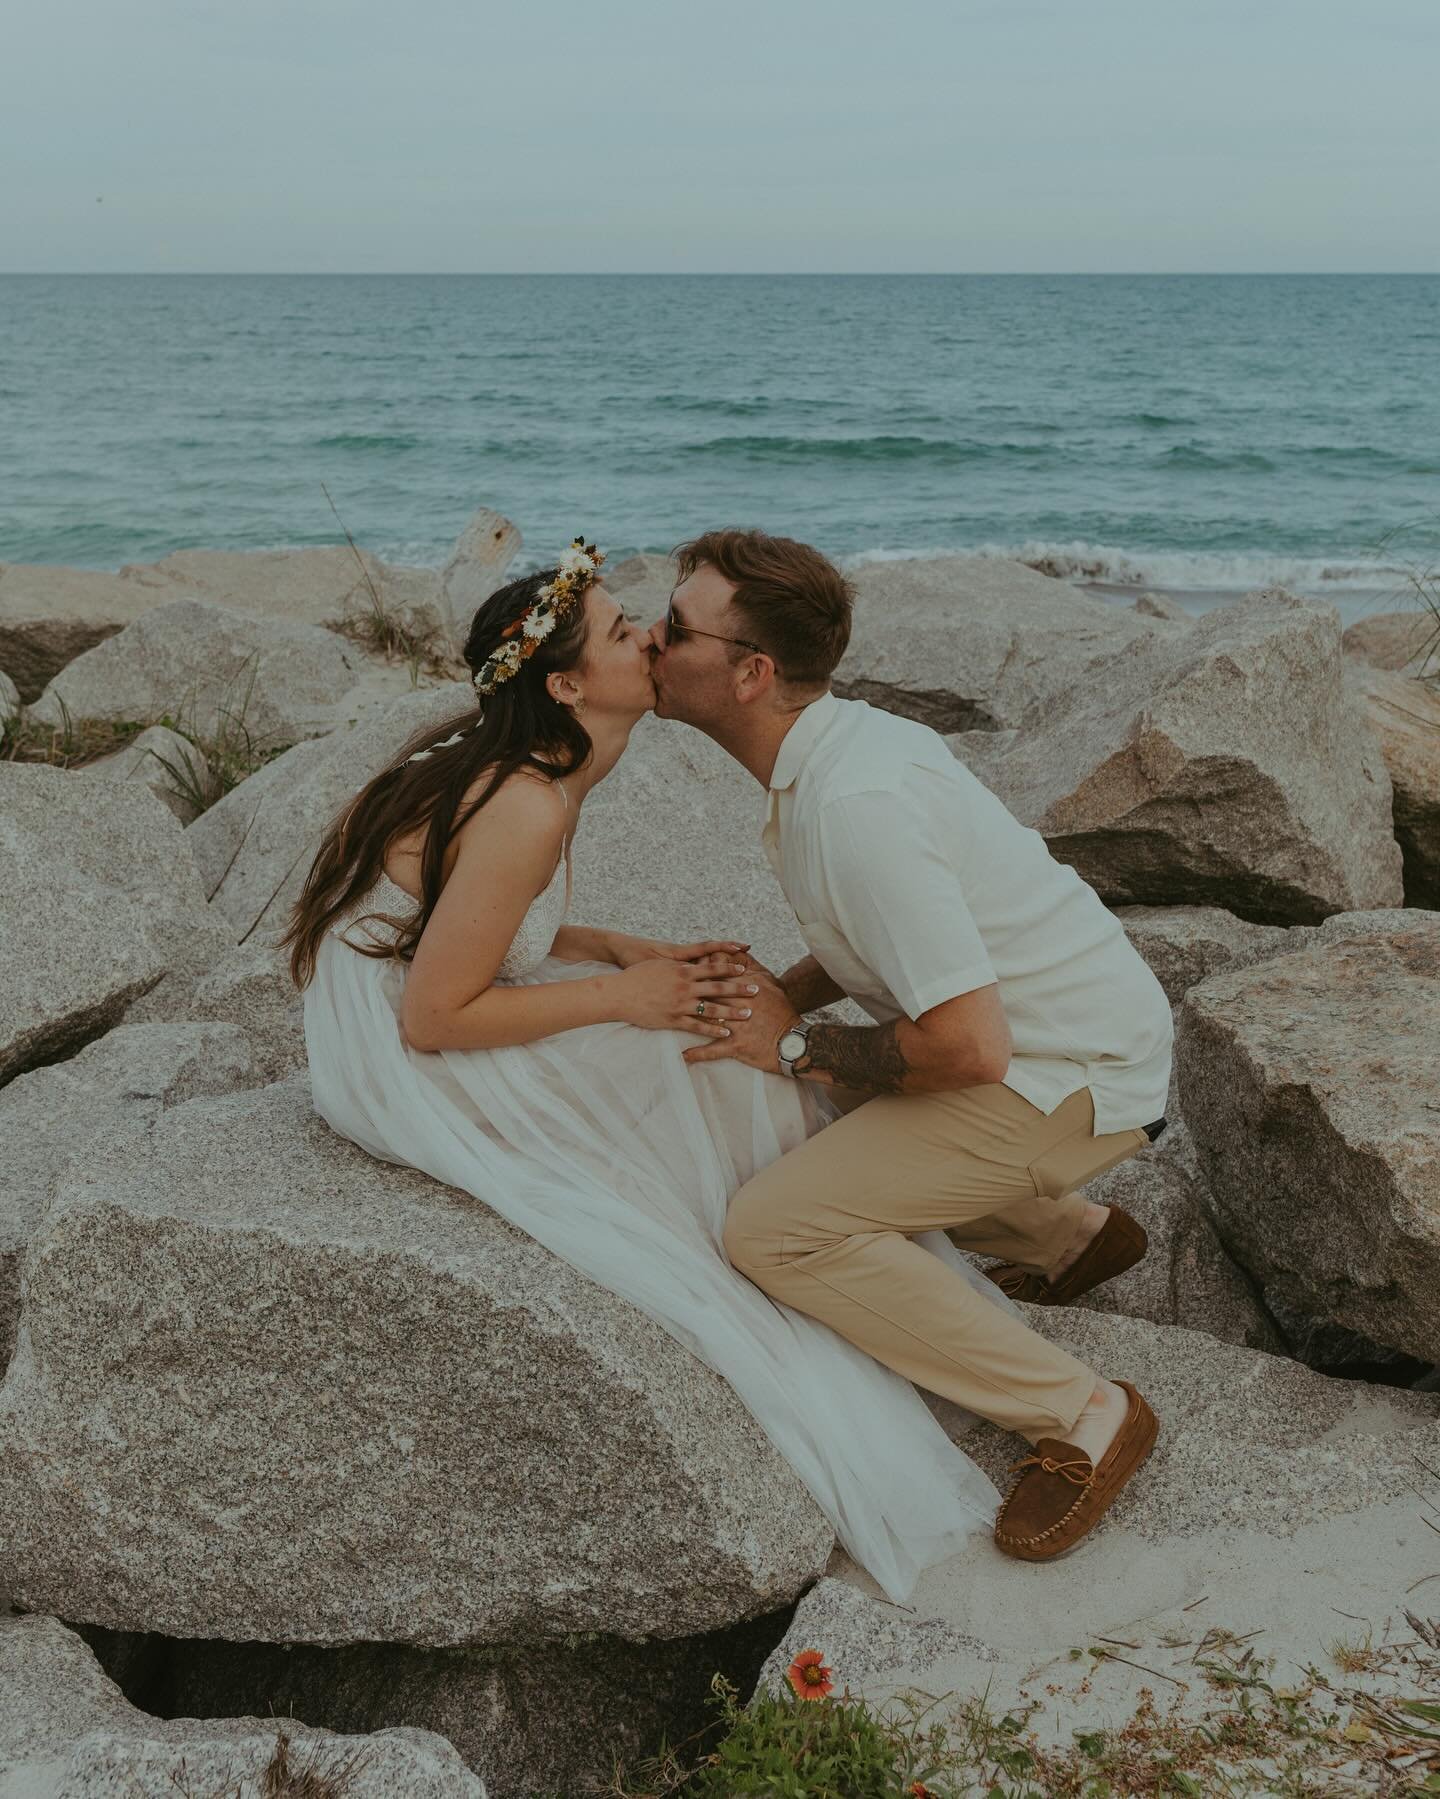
456,1024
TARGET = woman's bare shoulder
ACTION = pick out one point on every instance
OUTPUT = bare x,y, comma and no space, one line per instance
526,802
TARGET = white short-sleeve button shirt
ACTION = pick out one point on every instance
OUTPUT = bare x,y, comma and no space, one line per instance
912,883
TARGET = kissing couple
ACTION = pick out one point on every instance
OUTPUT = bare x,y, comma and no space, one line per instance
782,1193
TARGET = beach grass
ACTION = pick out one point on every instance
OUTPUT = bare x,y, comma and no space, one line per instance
1250,1736
228,752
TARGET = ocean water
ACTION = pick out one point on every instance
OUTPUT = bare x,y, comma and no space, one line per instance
1183,432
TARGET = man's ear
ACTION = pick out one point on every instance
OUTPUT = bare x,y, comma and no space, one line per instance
754,679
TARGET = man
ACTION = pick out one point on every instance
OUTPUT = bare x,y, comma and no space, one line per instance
1020,1044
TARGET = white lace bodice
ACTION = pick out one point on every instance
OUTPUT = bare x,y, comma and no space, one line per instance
528,947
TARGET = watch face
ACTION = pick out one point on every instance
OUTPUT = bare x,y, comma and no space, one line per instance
792,1045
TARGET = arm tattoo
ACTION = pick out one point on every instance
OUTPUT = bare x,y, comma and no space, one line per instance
863,1056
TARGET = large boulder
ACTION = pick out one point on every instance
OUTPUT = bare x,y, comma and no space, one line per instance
255,847
67,1731
477,566
670,847
1220,763
977,643
118,1086
268,1387
104,901
1308,1083
217,670
1405,716
642,584
1275,1499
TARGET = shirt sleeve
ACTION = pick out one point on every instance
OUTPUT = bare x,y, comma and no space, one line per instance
892,877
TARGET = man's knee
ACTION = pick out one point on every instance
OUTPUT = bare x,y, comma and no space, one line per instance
752,1237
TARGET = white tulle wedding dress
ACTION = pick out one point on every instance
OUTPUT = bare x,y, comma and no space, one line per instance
603,1144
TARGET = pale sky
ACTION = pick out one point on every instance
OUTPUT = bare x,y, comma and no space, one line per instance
736,136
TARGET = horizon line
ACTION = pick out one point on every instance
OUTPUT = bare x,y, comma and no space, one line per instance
730,274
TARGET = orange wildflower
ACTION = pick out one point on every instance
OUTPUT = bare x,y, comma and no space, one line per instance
808,1675
919,1790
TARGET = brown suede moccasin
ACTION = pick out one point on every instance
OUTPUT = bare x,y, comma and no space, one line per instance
1060,1495
1119,1244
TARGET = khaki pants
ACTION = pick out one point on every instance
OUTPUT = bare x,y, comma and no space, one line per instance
826,1230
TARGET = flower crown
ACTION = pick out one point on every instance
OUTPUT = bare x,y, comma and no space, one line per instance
520,640
577,570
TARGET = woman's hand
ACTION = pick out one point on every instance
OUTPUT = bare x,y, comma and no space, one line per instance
626,951
663,994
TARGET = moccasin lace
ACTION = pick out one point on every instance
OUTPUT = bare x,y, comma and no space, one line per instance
1065,1469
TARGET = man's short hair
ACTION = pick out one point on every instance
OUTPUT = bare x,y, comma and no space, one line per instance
792,600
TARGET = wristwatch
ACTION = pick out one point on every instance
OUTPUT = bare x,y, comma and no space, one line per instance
792,1046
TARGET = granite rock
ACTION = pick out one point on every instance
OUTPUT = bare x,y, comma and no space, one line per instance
213,668
975,642
56,1117
1308,1082
669,846
124,907
1220,763
266,1386
863,1639
67,1731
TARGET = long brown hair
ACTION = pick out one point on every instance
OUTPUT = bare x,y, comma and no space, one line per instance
519,726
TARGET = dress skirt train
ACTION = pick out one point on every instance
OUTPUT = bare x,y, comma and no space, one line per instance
604,1145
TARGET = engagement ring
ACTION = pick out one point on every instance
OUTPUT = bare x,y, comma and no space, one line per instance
700,1010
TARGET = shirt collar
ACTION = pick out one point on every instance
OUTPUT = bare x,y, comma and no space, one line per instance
800,739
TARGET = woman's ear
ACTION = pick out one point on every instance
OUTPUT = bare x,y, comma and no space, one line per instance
561,688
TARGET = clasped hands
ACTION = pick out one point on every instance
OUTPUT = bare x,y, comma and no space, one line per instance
746,1010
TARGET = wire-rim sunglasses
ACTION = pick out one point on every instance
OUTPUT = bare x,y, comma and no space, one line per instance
674,628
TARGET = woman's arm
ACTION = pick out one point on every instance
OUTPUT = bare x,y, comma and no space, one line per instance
507,854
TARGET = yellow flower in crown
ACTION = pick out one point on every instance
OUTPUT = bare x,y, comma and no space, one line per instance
577,570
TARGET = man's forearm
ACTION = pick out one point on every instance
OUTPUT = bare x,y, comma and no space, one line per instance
897,1057
808,987
583,943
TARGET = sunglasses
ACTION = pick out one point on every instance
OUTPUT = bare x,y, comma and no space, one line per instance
674,629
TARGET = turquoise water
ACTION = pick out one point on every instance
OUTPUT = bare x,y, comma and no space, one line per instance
1182,431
